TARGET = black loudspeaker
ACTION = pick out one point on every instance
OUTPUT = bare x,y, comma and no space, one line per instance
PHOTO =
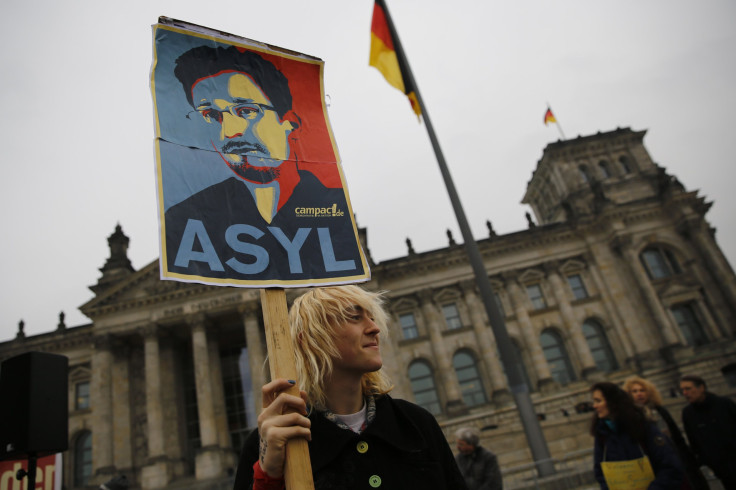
34,410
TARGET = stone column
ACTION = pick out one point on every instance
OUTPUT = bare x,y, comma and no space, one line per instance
531,338
710,326
571,323
444,371
671,335
711,304
218,395
157,472
101,399
122,442
208,461
256,355
614,311
487,344
392,362
712,255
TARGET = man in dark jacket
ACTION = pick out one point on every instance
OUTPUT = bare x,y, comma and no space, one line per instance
710,424
478,465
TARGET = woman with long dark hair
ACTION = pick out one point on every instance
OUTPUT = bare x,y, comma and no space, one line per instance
623,433
647,396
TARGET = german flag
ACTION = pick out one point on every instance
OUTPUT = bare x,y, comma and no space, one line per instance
387,56
549,117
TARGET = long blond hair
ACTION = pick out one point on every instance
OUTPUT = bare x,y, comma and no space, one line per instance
655,399
314,319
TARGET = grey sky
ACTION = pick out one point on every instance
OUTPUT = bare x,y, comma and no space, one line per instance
77,125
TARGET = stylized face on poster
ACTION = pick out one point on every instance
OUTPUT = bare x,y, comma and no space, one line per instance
251,192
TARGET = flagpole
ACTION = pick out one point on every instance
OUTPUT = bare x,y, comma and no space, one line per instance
509,358
559,128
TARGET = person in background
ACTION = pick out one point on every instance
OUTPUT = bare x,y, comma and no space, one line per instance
478,465
647,396
359,436
623,433
710,424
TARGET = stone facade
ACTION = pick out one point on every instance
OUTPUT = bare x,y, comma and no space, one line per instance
620,275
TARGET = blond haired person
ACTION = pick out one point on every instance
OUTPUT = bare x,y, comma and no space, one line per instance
647,396
359,436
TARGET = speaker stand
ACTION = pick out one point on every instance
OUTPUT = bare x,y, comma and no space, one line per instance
31,473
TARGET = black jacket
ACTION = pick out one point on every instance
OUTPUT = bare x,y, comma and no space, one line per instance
711,430
405,449
618,446
692,468
480,469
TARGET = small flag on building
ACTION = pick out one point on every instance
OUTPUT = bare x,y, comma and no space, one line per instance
549,117
387,56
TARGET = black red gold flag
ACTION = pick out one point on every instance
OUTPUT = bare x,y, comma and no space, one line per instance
387,57
549,117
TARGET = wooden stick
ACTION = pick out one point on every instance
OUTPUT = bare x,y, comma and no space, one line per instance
298,469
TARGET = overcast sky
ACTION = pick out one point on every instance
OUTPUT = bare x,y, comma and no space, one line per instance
77,125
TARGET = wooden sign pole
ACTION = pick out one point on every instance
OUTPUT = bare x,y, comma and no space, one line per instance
298,469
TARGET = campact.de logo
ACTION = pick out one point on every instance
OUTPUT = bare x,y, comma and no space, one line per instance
318,212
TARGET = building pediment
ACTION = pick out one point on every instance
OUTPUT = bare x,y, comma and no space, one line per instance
406,303
531,275
571,266
142,288
446,294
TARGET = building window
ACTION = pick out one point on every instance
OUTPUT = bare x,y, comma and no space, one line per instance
469,379
605,171
236,402
535,295
423,387
625,165
557,358
577,286
81,395
408,326
584,173
83,459
659,262
452,316
599,346
689,324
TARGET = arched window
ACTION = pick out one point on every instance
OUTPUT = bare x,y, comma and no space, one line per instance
423,387
584,173
605,171
688,322
625,165
471,386
83,459
599,347
557,358
659,262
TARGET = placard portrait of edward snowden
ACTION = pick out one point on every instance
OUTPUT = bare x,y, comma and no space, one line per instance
250,188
